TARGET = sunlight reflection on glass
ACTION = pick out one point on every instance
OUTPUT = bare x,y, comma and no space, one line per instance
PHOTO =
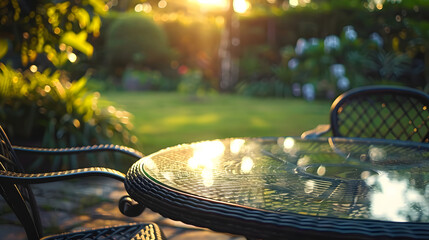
376,154
246,164
193,163
236,145
309,186
207,175
168,175
148,163
365,174
321,170
289,143
305,160
289,146
206,154
396,200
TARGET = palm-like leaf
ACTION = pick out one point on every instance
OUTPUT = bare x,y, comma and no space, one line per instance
390,65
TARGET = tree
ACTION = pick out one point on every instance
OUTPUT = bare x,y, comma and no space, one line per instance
48,32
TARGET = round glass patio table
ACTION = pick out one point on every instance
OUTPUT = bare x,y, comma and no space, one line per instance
277,188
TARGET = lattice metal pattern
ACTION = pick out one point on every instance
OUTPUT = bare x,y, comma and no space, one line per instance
382,115
334,185
15,190
132,231
19,197
280,180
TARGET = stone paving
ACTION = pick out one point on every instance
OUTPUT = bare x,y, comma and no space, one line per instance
89,203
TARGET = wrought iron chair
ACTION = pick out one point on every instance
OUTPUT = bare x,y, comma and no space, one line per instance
15,189
386,112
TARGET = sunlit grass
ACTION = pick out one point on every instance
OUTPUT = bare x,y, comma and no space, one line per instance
167,119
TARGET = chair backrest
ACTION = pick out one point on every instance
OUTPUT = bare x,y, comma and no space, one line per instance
382,112
19,196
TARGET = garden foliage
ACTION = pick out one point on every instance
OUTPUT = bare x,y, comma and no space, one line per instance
39,104
337,63
326,67
41,109
148,80
327,47
35,29
192,83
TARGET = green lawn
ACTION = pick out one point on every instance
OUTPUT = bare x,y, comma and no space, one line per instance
167,119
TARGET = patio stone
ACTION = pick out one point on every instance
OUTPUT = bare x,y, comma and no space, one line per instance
12,232
90,203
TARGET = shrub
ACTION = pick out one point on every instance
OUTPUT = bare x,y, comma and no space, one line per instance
326,67
193,84
256,63
43,109
135,40
268,88
147,80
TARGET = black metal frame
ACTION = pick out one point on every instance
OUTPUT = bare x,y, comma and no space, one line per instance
19,197
369,93
14,187
353,105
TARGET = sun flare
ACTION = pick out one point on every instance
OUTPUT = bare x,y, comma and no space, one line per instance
240,6
213,3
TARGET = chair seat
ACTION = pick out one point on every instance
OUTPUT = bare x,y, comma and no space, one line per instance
148,231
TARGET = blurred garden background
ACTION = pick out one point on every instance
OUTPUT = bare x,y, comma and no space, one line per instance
155,73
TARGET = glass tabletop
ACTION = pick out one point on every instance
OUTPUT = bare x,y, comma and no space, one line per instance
333,177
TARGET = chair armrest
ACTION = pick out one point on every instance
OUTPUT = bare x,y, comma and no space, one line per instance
316,132
85,149
34,178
